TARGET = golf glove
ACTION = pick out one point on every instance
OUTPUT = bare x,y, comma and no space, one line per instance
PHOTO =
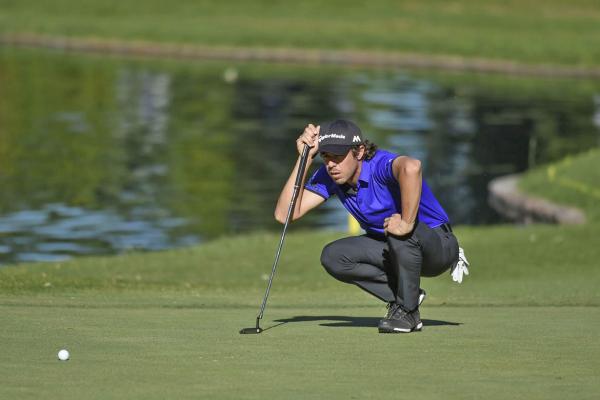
461,267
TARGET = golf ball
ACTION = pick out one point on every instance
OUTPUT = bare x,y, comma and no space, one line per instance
63,355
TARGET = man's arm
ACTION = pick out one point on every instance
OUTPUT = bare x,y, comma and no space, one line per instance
407,172
307,200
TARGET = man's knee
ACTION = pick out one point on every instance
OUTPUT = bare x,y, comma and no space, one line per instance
332,261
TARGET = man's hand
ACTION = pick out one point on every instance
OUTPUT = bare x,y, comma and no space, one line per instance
396,226
310,136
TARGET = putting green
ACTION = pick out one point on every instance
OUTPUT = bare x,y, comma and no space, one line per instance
191,348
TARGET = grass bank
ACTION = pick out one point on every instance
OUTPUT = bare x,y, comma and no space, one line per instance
531,260
556,32
572,181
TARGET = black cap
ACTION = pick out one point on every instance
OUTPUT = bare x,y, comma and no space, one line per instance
339,136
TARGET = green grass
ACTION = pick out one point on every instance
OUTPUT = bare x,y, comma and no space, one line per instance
531,260
572,181
523,325
332,352
555,32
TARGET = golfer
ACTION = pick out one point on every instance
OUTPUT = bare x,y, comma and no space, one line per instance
408,233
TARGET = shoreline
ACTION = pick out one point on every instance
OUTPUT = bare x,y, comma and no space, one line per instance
505,197
293,56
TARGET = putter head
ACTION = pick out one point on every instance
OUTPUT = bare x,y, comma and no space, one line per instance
251,331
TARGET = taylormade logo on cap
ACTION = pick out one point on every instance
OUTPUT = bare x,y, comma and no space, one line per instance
339,136
332,135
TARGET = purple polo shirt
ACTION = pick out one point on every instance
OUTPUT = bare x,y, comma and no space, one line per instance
377,195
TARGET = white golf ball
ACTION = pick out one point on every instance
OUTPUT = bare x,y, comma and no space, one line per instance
63,355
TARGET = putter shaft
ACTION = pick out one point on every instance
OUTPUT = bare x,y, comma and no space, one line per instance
299,176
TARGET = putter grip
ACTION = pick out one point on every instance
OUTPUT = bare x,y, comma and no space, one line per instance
302,166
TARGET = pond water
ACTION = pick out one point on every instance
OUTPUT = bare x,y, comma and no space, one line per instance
104,155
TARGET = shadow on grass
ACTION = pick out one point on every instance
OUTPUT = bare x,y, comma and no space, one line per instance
342,321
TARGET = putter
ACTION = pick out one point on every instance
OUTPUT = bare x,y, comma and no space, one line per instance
257,329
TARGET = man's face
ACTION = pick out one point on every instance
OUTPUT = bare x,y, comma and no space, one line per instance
341,168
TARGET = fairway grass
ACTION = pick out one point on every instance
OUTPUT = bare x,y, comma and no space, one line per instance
331,352
555,32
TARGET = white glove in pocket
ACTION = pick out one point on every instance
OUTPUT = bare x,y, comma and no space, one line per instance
461,267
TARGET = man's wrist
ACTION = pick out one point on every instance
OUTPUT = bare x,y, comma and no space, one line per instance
409,224
408,227
403,229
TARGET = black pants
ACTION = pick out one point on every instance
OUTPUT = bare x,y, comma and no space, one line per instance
390,268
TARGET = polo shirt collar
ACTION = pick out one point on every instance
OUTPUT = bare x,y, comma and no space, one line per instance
365,172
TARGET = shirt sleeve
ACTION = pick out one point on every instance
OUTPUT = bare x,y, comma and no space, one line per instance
383,169
320,183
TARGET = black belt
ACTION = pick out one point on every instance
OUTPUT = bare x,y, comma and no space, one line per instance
446,228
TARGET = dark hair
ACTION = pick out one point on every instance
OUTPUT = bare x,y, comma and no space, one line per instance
370,149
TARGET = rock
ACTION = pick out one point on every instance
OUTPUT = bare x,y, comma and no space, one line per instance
506,199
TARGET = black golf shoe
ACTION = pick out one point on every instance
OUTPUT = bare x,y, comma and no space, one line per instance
391,309
401,321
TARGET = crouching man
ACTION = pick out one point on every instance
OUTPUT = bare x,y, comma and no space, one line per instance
408,233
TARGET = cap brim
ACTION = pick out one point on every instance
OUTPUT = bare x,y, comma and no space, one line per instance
337,149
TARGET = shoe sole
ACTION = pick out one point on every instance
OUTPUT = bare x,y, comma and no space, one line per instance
417,328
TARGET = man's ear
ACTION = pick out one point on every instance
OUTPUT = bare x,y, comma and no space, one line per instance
361,152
